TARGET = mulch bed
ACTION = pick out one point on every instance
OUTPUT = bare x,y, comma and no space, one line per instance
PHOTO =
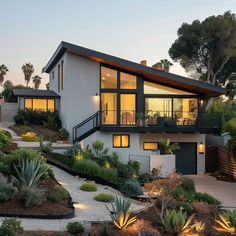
49,209
10,148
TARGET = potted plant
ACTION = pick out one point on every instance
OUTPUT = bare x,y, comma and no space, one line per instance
161,120
168,146
148,118
140,119
156,115
63,135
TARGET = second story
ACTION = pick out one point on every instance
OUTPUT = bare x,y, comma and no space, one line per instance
128,96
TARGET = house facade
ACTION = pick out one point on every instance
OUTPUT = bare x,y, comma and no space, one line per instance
130,107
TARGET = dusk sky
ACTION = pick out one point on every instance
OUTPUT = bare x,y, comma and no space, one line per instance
132,29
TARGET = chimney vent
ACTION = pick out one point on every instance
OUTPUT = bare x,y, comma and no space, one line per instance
143,62
158,66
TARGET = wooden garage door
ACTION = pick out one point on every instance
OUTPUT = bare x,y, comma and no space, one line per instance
186,158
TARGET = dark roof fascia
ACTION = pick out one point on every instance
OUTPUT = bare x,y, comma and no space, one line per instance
35,93
146,71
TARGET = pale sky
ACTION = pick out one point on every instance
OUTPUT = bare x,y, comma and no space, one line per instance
31,30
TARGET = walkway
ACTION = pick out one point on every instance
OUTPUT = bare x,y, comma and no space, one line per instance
87,209
221,190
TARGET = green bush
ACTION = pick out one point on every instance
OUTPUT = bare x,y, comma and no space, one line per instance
11,227
45,147
144,178
33,196
125,171
86,167
91,187
204,197
5,138
107,174
75,228
57,194
63,134
7,190
63,159
132,188
230,126
188,185
104,197
48,119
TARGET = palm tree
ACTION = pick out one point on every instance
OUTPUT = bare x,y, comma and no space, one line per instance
37,81
47,86
3,71
166,64
28,70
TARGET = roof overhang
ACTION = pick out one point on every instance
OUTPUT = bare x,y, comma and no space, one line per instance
147,72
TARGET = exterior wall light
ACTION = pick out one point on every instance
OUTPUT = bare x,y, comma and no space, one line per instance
201,102
201,148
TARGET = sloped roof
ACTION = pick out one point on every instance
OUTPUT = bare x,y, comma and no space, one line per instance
147,72
34,93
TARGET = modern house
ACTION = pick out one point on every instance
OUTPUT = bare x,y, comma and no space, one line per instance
129,106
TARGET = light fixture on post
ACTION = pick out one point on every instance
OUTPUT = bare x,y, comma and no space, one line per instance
201,148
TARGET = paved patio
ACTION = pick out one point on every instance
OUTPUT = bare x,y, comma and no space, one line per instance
221,190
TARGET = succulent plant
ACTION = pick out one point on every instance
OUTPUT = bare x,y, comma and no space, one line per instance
227,221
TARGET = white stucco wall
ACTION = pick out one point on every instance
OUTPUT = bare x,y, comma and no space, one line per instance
81,83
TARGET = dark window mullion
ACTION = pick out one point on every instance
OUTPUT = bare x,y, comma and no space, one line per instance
118,112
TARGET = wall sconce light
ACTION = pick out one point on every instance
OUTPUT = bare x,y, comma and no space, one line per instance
201,148
96,94
201,102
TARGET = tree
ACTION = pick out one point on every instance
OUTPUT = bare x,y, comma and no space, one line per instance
3,71
166,64
37,81
7,90
204,48
47,86
231,86
28,70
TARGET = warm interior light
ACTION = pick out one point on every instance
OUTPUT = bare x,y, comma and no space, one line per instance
201,148
103,78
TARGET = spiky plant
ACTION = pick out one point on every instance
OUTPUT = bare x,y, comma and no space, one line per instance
121,213
29,174
177,221
227,222
168,146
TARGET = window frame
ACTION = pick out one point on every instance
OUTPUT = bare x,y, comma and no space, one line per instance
151,149
62,75
120,136
59,78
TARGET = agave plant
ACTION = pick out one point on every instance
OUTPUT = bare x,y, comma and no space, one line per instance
28,174
227,221
121,211
177,221
168,146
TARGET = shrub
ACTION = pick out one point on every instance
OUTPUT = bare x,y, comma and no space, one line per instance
227,222
86,167
4,168
125,171
7,190
107,174
104,197
11,227
176,221
132,188
5,138
135,166
75,228
144,178
204,197
230,126
63,134
91,187
188,185
33,196
45,147
57,194
29,174
30,137
63,159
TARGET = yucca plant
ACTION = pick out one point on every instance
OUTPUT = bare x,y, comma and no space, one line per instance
121,213
29,174
177,221
227,222
169,147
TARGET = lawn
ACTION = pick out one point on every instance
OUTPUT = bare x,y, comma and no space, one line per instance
49,134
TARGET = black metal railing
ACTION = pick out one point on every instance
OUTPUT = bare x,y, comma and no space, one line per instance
86,127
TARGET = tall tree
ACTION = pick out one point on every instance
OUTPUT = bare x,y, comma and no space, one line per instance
3,71
37,81
204,48
7,90
28,70
166,64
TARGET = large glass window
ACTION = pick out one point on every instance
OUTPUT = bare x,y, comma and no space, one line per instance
128,81
108,78
40,104
185,110
109,108
127,109
162,106
152,88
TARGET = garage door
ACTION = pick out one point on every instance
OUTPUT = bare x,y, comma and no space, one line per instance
186,158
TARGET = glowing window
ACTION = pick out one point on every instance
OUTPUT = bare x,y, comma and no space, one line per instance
51,105
150,146
127,81
121,141
28,103
40,104
108,78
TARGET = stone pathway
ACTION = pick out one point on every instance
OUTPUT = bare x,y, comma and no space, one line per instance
221,190
86,209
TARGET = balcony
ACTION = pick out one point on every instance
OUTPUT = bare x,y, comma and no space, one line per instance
160,121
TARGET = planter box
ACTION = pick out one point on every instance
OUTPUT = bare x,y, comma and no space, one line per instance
167,162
